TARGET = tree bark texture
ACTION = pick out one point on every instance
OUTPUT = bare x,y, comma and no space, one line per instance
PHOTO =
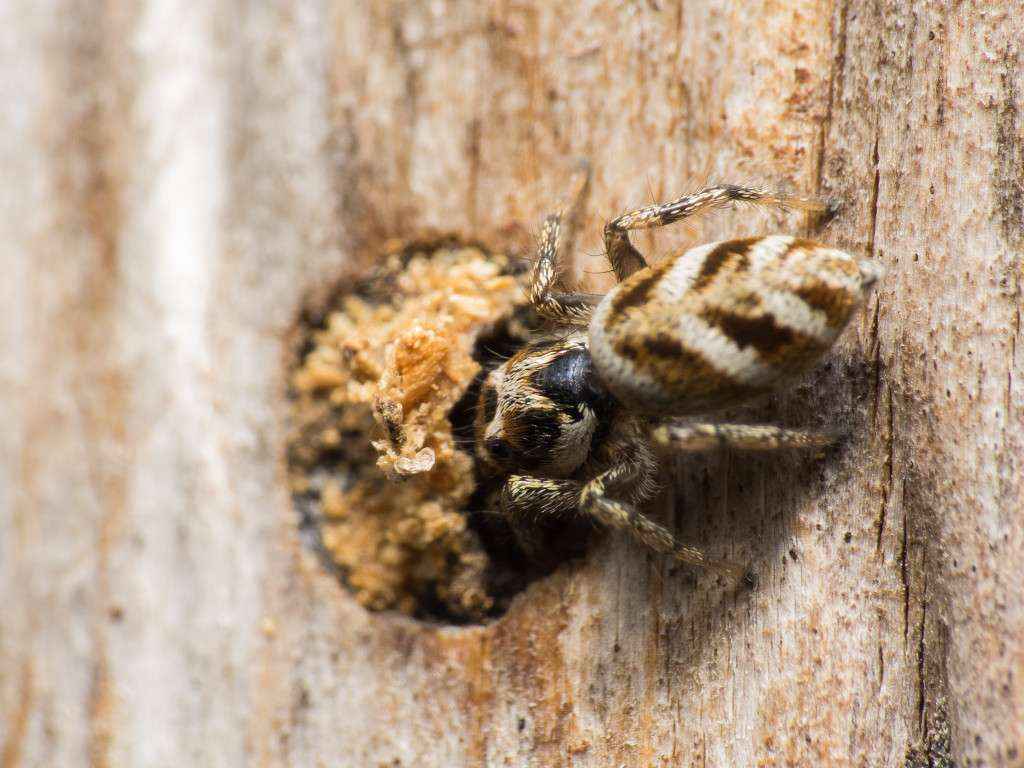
178,177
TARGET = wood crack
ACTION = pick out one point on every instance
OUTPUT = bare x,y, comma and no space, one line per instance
835,89
905,579
887,488
921,697
873,225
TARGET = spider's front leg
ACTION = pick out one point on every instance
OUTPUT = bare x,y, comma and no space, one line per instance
625,259
554,258
528,501
631,475
612,513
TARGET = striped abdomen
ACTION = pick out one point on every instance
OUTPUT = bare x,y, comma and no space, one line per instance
724,322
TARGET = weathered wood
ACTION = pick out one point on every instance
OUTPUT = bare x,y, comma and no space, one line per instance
178,176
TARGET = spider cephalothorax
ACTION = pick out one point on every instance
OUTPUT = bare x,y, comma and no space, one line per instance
543,410
572,422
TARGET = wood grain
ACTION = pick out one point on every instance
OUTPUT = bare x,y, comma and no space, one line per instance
178,177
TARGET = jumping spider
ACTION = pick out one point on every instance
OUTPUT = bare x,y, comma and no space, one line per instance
572,421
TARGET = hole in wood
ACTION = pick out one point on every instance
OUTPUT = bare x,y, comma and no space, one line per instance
380,455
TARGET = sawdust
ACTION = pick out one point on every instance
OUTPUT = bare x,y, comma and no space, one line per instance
373,460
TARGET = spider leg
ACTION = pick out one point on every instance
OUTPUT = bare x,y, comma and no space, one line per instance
747,437
595,501
555,254
526,501
626,259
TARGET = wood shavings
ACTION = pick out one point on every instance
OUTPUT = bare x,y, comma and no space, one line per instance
372,457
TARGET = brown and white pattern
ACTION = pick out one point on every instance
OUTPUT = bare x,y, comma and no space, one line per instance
723,322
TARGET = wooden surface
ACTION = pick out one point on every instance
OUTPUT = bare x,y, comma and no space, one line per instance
178,176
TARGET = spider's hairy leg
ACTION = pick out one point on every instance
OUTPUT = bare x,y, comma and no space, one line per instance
746,437
612,513
526,500
554,258
626,259
709,199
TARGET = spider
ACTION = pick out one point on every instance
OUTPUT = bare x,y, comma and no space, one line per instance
573,423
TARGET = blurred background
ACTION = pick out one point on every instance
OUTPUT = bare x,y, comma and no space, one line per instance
179,178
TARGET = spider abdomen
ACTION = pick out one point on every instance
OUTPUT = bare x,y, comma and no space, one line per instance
723,322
